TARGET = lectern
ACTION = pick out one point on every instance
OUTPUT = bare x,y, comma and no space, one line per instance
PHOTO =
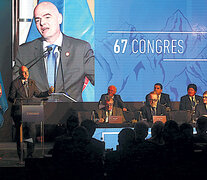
32,112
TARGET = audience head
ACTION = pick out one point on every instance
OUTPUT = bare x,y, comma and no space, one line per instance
24,72
111,90
126,137
158,88
48,20
157,129
141,130
171,131
153,99
192,89
90,126
186,131
201,124
80,136
205,97
72,123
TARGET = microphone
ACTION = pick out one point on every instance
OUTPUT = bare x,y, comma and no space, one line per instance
48,49
44,54
37,59
60,49
197,102
61,67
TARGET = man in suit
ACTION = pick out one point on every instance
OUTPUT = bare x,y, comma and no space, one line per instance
24,88
191,100
163,98
68,62
153,108
201,108
117,98
109,110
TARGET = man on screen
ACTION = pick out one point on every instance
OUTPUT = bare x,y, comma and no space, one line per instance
163,98
153,108
68,61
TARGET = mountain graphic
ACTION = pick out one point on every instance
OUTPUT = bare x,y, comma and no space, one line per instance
132,73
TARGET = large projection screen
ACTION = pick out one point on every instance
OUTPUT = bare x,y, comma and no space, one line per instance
138,43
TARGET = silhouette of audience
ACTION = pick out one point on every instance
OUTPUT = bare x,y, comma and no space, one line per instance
141,131
157,133
168,154
95,144
201,128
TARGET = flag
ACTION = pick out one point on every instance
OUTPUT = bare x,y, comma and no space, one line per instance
78,23
3,102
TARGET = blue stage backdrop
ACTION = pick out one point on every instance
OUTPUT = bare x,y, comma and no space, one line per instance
139,43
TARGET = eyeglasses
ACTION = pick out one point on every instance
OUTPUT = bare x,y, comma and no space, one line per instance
154,100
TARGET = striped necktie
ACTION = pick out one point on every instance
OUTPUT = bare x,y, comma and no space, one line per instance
193,102
51,66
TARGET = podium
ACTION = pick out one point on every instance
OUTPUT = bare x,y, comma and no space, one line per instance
32,111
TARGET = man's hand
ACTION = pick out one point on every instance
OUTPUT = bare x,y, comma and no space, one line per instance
51,90
124,109
101,120
134,121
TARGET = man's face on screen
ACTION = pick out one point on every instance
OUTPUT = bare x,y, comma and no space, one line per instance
48,20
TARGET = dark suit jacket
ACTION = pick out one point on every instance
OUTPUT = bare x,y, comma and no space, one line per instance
185,102
164,99
17,92
147,114
117,100
78,65
115,112
201,110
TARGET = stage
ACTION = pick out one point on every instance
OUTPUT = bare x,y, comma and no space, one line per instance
8,153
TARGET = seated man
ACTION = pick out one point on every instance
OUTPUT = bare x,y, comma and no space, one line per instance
109,110
153,108
163,98
117,99
190,101
201,109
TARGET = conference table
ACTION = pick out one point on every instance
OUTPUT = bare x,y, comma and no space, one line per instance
57,113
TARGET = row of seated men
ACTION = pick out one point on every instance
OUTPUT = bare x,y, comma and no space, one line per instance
157,103
170,153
